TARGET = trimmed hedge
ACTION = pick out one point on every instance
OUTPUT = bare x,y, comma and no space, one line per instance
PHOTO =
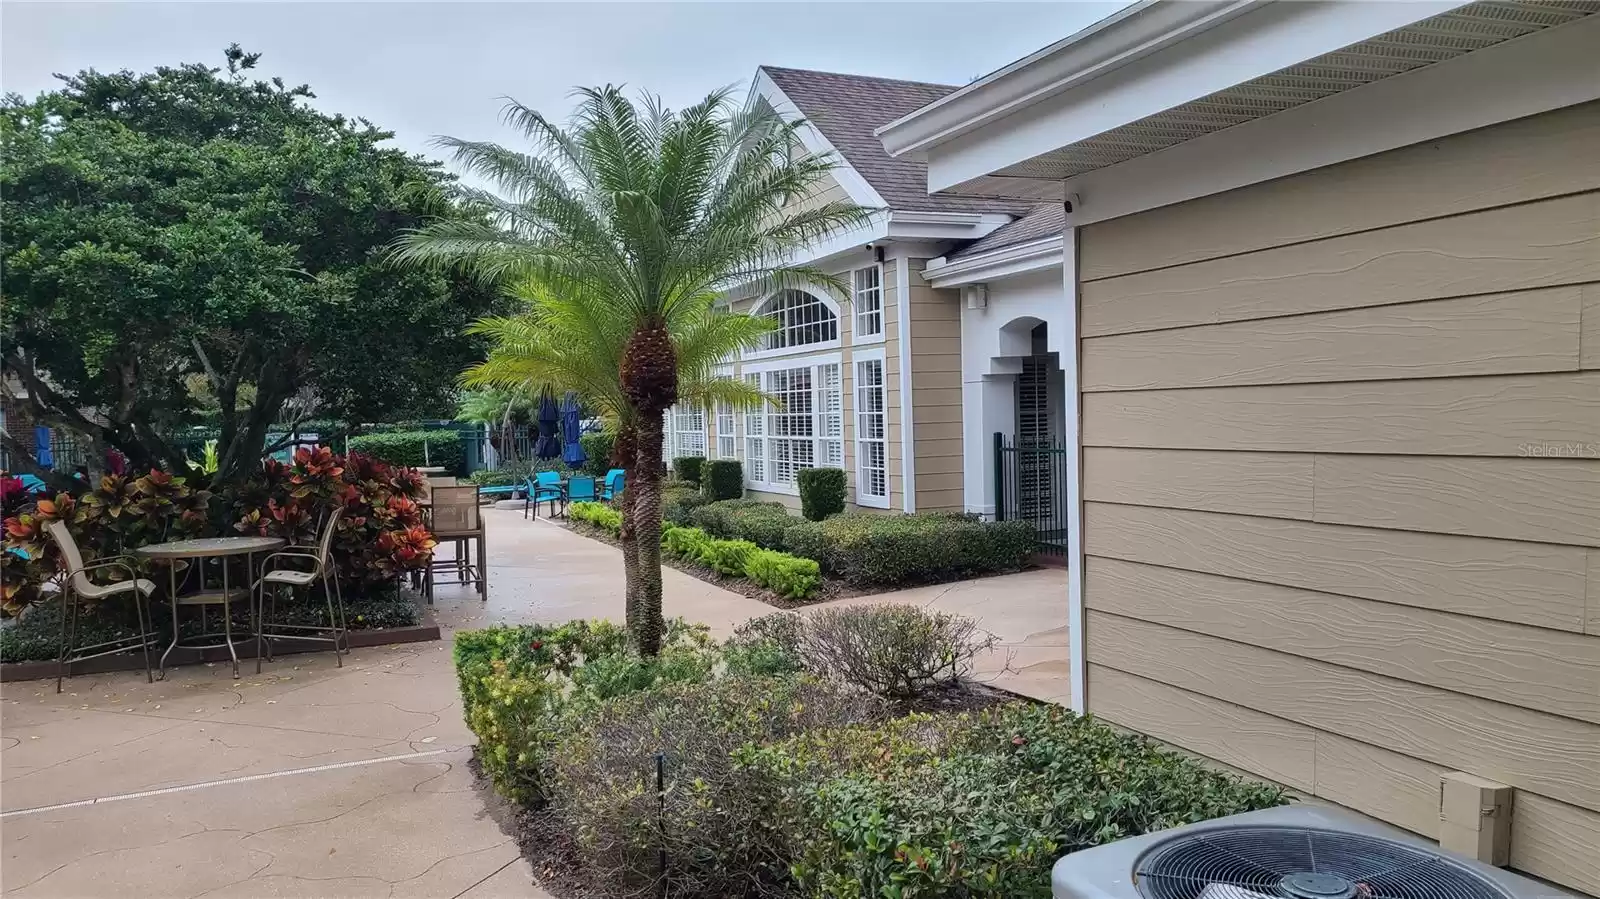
786,575
886,550
597,452
515,472
821,492
406,448
762,523
723,479
679,502
688,468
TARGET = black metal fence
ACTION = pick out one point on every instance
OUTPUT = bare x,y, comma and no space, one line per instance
1030,484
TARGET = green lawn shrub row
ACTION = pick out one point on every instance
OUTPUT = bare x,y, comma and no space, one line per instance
787,575
514,473
406,448
874,550
783,781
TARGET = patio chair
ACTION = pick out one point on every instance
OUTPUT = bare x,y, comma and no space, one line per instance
544,486
458,520
581,490
77,587
318,566
613,485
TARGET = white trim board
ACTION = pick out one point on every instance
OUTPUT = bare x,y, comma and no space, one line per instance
1549,70
996,265
1071,366
908,457
1177,57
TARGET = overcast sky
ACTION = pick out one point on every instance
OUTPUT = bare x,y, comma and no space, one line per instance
423,69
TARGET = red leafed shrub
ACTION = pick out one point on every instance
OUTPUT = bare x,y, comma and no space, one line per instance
381,534
117,516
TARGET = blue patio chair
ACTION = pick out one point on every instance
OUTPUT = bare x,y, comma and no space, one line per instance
32,483
581,490
544,486
613,485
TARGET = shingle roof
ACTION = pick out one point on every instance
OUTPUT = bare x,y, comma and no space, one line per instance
1044,221
847,108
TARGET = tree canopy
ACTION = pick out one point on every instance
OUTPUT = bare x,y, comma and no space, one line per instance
193,224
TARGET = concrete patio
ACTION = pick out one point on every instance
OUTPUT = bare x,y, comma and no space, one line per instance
311,780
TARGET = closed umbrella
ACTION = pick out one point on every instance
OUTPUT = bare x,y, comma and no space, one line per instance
548,447
571,428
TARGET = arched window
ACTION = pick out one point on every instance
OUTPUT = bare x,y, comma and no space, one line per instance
799,319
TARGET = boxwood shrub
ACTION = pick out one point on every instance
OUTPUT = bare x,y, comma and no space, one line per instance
406,448
688,469
762,523
821,492
597,451
884,550
679,502
723,479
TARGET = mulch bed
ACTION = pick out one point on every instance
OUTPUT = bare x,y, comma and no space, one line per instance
832,588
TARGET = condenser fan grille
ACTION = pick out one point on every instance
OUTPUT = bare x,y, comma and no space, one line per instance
1301,863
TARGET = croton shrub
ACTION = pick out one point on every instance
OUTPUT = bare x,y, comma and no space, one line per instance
381,534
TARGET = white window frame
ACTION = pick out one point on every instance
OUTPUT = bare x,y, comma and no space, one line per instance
682,424
859,410
763,308
859,308
727,431
753,442
763,443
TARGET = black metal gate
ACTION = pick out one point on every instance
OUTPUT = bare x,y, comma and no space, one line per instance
1030,484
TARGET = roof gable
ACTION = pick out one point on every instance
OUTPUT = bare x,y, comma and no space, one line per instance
847,109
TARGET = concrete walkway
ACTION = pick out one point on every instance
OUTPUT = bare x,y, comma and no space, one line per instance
310,780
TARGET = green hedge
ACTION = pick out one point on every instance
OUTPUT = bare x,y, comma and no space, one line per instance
406,448
597,451
821,492
723,480
515,472
788,576
762,523
688,469
889,550
678,504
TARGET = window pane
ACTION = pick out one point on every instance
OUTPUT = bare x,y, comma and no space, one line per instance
871,429
868,301
799,318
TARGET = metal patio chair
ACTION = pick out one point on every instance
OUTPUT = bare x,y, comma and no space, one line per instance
317,562
77,587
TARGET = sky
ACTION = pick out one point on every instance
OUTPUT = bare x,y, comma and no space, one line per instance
422,69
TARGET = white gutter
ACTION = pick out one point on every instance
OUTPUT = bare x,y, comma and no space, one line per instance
1005,262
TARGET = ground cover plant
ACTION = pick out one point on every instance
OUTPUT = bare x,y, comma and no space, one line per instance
757,767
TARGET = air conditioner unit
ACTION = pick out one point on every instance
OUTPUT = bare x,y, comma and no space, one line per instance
1293,852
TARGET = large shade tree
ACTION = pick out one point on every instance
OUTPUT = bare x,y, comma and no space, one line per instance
643,209
191,246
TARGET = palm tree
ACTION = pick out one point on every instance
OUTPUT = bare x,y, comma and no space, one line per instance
644,210
574,341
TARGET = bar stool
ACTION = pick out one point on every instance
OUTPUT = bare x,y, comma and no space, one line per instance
77,586
457,519
320,567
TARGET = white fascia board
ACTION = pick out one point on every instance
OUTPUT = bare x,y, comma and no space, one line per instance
1233,45
862,193
1037,75
916,225
997,265
1549,70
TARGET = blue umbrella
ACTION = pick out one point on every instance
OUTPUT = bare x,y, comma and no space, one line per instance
548,447
571,427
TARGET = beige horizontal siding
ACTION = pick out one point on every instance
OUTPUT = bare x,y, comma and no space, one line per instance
1535,668
1589,354
1555,242
1528,331
1342,470
1534,158
1280,750
1524,583
1544,500
1275,484
936,411
1490,416
1553,756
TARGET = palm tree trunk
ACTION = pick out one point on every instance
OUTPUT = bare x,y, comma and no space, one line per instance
623,455
644,482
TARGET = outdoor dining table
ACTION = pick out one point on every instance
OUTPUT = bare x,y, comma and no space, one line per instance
198,550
